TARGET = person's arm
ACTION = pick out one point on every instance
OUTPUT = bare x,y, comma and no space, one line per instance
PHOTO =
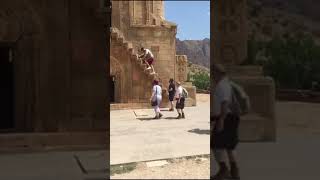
141,55
153,93
224,108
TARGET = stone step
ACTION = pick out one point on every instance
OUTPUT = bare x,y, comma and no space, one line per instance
126,45
130,46
131,50
120,40
114,35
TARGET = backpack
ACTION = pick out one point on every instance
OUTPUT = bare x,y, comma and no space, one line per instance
240,103
184,93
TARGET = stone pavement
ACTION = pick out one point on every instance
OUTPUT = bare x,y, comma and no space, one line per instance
136,137
81,165
295,155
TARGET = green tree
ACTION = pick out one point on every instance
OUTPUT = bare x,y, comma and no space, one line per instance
201,80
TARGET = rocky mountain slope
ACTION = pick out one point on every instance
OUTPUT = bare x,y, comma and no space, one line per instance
286,18
198,51
267,18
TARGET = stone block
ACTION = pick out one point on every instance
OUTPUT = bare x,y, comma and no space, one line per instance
261,91
251,128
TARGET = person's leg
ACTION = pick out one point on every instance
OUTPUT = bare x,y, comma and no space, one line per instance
234,169
158,107
171,104
179,113
153,72
148,64
156,112
182,107
222,159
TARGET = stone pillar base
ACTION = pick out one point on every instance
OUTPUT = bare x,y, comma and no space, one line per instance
261,91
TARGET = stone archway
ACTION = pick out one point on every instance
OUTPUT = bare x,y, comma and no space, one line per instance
20,31
116,71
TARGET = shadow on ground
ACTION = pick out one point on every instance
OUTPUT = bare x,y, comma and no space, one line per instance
200,131
151,119
147,119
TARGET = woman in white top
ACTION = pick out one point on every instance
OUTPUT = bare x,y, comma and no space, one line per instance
156,98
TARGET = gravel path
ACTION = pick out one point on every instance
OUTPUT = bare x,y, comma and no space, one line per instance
198,168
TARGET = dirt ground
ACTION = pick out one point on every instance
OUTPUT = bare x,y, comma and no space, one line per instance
195,168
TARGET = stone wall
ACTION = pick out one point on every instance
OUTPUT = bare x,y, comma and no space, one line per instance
59,61
132,85
142,24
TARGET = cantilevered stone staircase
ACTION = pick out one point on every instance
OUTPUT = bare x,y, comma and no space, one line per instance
118,37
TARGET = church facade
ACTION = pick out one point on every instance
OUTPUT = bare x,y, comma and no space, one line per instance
137,24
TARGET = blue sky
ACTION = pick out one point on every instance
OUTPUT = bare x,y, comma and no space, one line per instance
192,17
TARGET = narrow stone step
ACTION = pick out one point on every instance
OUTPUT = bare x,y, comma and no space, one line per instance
120,40
126,45
131,50
114,35
130,45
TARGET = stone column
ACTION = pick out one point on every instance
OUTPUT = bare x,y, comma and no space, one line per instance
230,32
230,48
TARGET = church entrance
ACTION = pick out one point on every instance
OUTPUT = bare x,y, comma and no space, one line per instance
6,90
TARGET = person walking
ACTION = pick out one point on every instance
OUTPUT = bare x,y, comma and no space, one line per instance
180,101
148,58
156,99
225,126
172,92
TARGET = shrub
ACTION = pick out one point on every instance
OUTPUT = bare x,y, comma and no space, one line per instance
292,62
201,80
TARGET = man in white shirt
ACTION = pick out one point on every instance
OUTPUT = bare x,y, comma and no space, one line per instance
226,122
148,58
180,101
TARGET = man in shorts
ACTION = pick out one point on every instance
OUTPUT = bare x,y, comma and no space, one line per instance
225,131
180,101
148,58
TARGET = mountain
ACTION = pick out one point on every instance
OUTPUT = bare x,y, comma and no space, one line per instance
285,18
266,18
197,51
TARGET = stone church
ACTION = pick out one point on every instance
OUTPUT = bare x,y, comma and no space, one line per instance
138,24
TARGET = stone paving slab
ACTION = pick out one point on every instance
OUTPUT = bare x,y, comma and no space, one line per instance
140,138
94,162
293,157
48,166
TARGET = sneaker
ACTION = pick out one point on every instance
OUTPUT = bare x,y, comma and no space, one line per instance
148,68
221,175
179,116
171,109
234,171
160,115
